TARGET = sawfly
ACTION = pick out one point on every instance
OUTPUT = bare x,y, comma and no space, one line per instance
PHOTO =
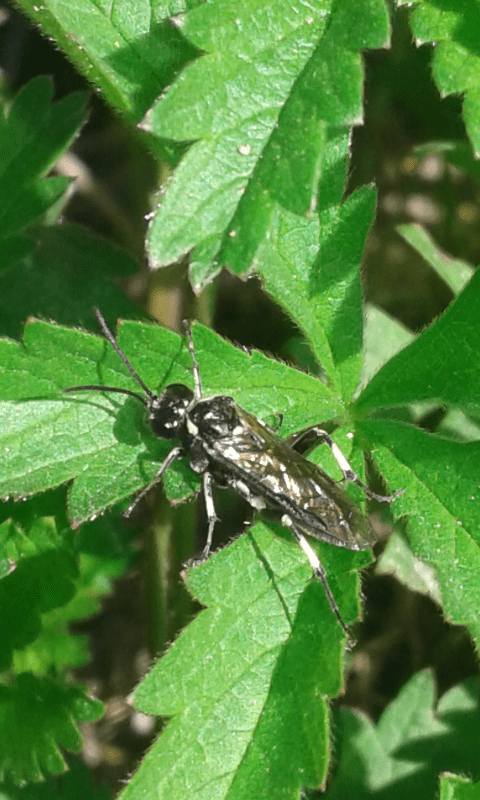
228,445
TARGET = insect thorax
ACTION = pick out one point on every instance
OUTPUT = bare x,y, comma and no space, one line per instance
209,422
213,418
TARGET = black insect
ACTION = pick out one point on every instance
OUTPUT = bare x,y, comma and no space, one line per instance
226,444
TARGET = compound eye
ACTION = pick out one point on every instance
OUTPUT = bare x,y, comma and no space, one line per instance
167,411
178,391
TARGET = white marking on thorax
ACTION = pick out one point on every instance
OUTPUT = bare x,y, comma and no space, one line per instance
191,427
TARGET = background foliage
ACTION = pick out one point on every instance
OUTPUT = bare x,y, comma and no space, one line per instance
233,148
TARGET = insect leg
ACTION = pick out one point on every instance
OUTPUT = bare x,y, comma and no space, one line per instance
319,573
211,516
175,453
299,443
196,370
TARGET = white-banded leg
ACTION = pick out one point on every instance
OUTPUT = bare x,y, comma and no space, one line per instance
319,573
175,453
196,369
307,438
212,518
211,513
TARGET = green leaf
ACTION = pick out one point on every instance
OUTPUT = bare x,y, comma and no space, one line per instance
412,743
439,365
257,105
99,553
76,784
453,271
455,787
440,478
129,52
40,579
246,682
31,752
63,279
398,560
32,137
30,203
383,337
47,442
256,215
55,646
323,291
15,249
104,442
456,63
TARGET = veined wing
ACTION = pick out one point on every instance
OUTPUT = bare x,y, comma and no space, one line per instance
253,454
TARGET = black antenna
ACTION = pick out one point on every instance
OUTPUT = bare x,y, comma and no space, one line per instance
92,387
196,369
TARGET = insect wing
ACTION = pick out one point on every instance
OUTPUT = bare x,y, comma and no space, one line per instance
257,458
